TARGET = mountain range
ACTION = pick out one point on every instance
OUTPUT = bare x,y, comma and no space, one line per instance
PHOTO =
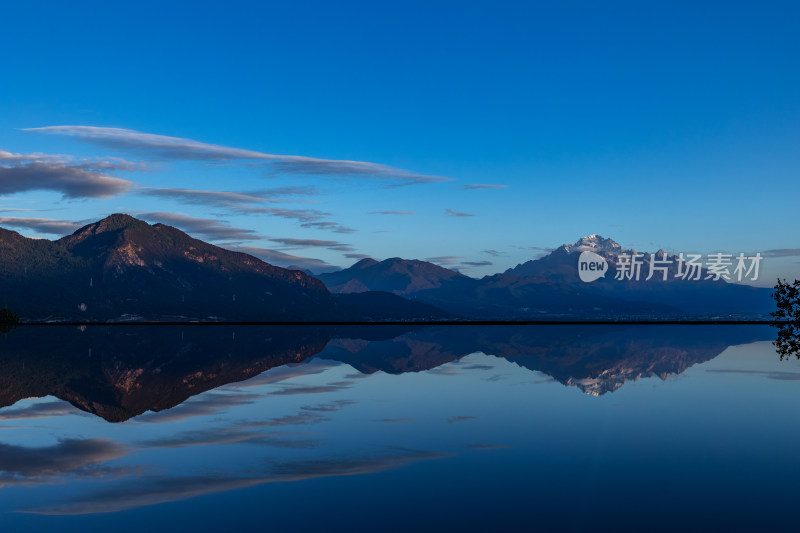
550,286
119,373
122,268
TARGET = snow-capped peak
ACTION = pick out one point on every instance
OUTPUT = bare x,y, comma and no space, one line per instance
594,243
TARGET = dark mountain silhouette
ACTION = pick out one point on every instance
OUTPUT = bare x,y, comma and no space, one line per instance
118,372
301,269
498,296
378,305
121,372
703,296
400,276
595,359
122,267
550,287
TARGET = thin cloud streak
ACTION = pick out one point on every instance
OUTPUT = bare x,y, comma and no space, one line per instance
177,148
445,259
233,200
292,390
206,228
454,419
333,226
782,252
482,186
154,490
494,253
314,243
457,213
40,410
225,435
43,225
201,197
210,403
284,260
74,179
74,457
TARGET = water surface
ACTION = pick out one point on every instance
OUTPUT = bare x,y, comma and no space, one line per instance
626,428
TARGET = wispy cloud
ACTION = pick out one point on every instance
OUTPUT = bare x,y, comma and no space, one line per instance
494,253
20,210
83,178
445,259
482,186
39,410
205,228
303,215
540,250
313,243
209,403
43,225
782,252
308,414
476,263
284,260
177,148
200,197
156,489
770,374
148,491
309,218
333,226
245,202
454,419
303,418
478,367
224,435
292,390
308,367
315,468
392,213
328,407
457,213
68,457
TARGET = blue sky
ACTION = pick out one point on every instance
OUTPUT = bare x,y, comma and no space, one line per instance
661,125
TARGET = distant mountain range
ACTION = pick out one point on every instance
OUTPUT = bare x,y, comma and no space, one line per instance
119,373
550,286
122,268
596,359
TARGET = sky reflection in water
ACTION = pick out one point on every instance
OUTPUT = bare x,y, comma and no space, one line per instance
605,428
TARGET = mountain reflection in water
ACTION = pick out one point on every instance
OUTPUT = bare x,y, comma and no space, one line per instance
120,372
211,423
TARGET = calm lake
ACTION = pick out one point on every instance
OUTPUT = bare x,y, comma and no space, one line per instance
379,428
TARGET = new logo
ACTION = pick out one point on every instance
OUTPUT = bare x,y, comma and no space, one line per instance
591,266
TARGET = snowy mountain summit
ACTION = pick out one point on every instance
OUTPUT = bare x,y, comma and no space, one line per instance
594,243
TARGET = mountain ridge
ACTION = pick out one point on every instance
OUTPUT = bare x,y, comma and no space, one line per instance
121,268
550,286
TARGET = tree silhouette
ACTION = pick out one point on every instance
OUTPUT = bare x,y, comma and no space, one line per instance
8,320
787,318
